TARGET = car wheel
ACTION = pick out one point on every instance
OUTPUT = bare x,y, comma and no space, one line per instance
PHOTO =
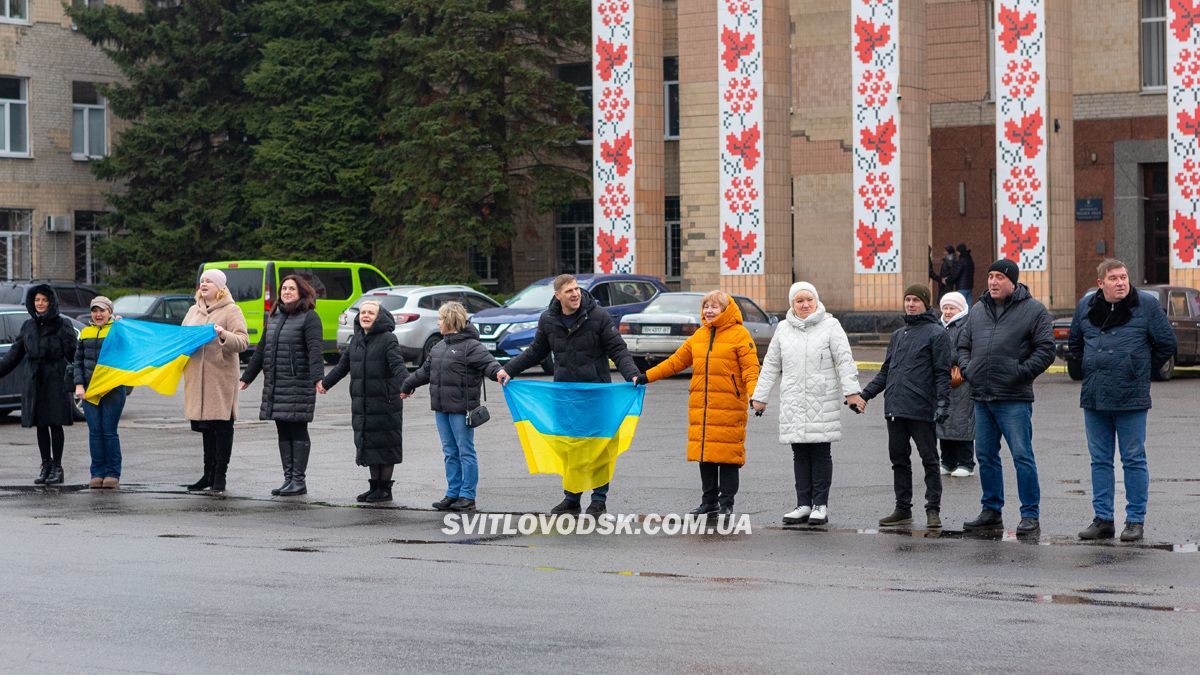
548,365
4,413
433,340
332,358
1074,369
642,363
1166,372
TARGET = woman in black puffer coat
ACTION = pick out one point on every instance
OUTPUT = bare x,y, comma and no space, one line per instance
290,358
376,369
46,344
454,371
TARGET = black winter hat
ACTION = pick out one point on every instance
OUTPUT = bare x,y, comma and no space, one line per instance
922,292
1006,267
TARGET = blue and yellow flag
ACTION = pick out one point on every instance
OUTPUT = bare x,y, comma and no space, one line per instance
140,353
574,429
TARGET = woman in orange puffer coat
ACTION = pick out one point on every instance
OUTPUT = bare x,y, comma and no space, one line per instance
724,366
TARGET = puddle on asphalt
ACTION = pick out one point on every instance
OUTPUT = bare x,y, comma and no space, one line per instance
1050,599
176,536
301,549
477,541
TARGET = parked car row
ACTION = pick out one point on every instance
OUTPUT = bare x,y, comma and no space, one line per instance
1182,306
671,318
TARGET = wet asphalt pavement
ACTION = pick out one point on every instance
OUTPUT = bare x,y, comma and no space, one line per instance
152,579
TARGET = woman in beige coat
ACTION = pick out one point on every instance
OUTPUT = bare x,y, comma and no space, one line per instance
210,379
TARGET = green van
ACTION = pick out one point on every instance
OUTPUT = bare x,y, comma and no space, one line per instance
254,285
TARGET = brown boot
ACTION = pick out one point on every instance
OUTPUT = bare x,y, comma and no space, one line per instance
111,483
95,483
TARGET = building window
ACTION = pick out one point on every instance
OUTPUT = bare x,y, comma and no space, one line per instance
14,116
484,267
88,3
16,259
88,269
574,238
674,246
580,75
89,137
1154,44
16,11
671,98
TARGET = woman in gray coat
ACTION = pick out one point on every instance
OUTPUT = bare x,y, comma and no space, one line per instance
455,370
957,434
289,356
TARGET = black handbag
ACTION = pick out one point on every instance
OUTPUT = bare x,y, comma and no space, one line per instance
479,415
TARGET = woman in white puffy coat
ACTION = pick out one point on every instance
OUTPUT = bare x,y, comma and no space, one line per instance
810,358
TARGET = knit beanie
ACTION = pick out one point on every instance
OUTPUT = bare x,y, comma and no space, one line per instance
802,286
215,276
1008,268
922,292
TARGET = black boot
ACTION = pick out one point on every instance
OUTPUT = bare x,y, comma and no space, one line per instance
45,472
221,464
286,460
299,466
55,477
205,481
363,497
382,493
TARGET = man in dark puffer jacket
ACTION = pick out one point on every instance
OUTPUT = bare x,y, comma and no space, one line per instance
1008,341
1121,337
583,337
915,381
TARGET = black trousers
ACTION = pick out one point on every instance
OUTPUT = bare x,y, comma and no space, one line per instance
958,453
813,466
719,482
924,434
292,431
50,443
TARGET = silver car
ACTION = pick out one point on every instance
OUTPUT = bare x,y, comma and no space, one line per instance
671,318
415,309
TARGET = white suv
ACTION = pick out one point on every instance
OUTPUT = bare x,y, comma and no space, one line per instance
415,309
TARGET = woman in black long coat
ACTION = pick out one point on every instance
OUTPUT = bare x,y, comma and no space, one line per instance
46,345
376,369
290,358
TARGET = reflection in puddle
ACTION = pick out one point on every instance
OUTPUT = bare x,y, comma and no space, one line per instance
1007,536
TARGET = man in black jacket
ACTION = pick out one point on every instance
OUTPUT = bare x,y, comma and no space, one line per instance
915,381
1008,341
582,337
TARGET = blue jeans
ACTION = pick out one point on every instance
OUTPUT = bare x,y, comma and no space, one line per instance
458,445
1012,420
1129,430
600,495
102,433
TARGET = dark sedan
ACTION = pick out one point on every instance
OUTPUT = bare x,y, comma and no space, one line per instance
156,307
1182,305
12,317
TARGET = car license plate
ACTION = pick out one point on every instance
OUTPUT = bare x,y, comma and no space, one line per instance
656,330
490,346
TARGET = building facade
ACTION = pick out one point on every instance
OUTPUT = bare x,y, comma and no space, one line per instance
53,121
1105,130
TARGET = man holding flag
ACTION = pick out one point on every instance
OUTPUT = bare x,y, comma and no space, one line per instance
582,337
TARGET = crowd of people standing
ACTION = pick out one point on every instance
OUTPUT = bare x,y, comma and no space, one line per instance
958,372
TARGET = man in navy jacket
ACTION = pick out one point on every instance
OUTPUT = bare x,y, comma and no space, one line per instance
1121,336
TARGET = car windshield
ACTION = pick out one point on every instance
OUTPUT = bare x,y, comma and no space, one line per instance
674,304
13,295
133,304
533,297
389,303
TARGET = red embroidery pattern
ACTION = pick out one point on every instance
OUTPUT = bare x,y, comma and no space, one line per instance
739,87
613,161
1183,113
1021,160
876,76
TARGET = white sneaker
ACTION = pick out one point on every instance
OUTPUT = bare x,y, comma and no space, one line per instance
944,470
820,515
961,472
797,516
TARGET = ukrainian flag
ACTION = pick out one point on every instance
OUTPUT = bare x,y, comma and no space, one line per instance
574,429
140,353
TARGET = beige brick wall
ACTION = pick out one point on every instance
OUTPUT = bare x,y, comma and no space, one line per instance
1105,42
698,149
50,182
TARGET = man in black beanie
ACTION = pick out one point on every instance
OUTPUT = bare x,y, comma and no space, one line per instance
1007,342
915,382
